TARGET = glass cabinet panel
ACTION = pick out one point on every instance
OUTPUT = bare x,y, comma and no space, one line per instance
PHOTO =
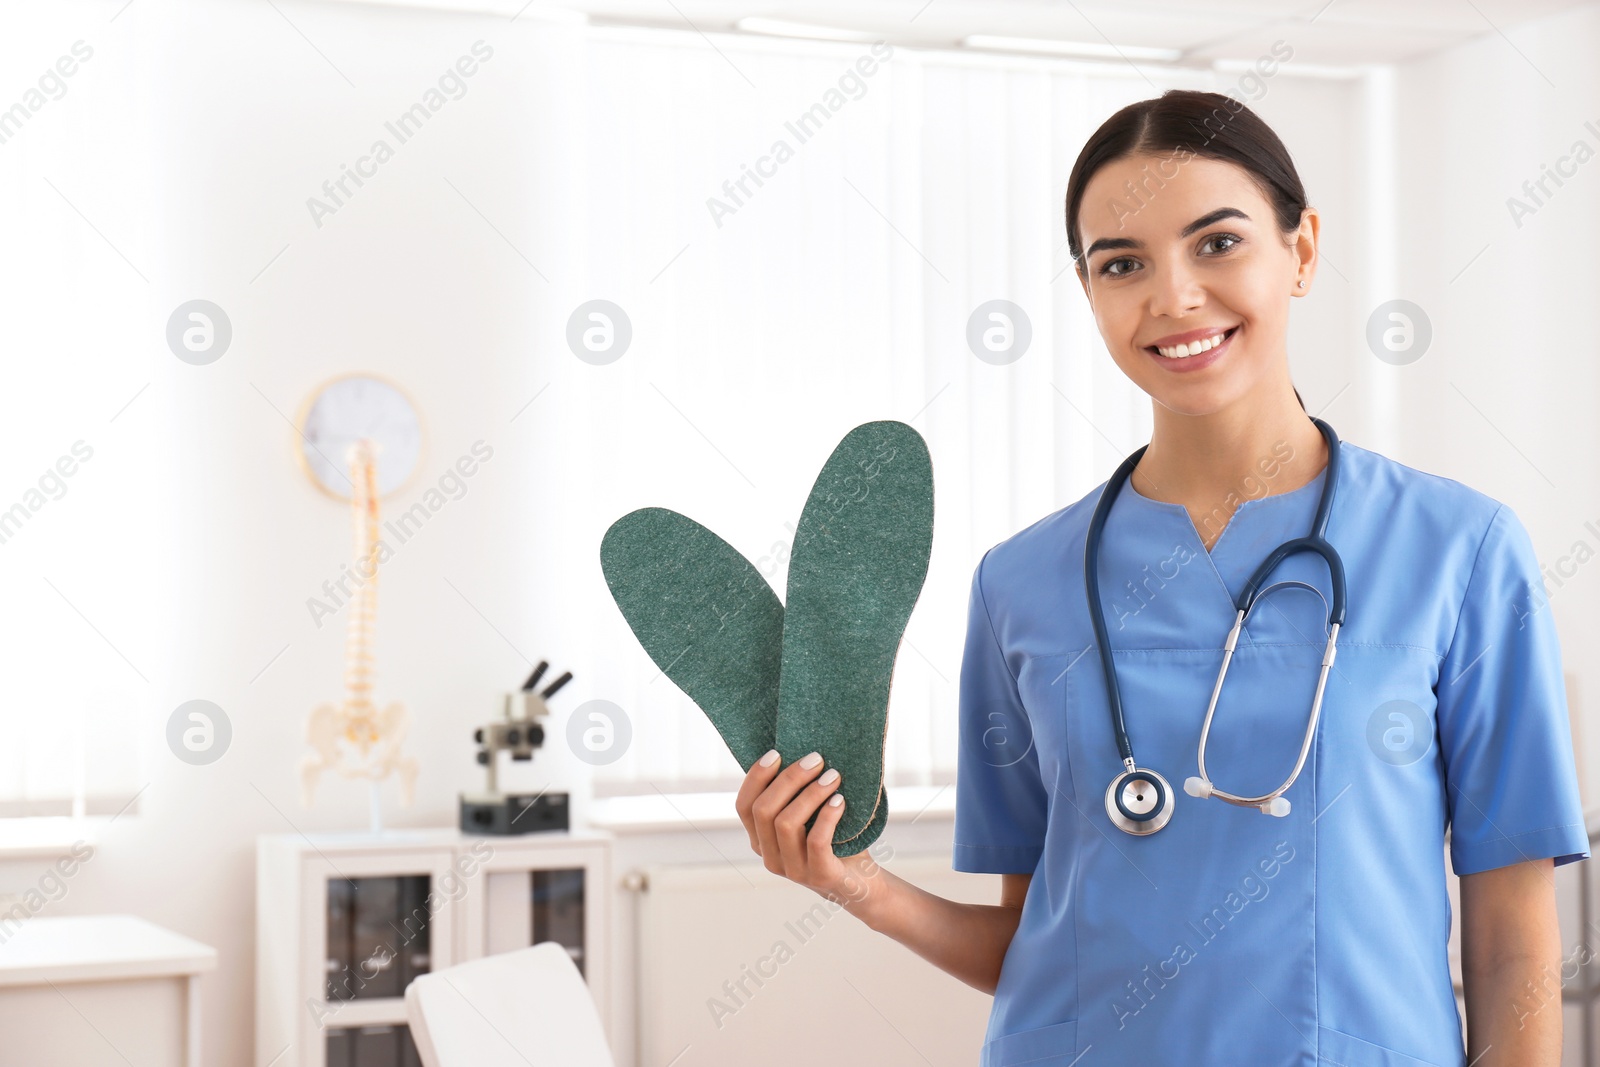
558,910
372,1046
378,935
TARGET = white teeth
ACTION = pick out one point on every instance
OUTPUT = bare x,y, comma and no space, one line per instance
1193,348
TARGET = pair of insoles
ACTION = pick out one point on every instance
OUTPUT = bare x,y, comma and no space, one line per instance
813,675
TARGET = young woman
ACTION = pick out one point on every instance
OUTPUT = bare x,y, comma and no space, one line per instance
1236,921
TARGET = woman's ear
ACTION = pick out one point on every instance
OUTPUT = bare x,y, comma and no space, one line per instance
1305,250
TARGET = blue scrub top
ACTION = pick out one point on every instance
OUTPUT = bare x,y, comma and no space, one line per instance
1230,936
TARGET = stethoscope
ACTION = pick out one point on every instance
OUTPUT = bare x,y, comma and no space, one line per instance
1139,800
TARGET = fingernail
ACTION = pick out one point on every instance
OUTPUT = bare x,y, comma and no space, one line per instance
811,761
829,776
766,761
835,800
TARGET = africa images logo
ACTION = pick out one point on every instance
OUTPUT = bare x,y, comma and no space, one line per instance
452,85
851,85
1252,887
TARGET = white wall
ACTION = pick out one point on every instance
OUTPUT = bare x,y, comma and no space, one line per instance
1505,399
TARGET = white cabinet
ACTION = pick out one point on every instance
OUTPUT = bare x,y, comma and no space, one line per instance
345,921
139,984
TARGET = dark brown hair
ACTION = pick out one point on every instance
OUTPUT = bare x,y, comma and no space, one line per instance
1187,123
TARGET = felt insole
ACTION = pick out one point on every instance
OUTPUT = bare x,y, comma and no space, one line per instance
859,560
713,625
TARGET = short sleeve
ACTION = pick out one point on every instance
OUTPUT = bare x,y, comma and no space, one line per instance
1001,804
1506,741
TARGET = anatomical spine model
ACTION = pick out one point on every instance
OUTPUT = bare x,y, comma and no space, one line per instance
353,737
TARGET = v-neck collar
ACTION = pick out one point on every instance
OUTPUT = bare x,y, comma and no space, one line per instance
1250,513
1312,488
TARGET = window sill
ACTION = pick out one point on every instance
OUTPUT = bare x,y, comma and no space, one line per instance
658,812
45,837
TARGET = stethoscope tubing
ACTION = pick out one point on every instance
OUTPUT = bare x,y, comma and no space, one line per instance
1311,726
1315,542
1091,576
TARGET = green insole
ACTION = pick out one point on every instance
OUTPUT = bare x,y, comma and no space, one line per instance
713,625
860,557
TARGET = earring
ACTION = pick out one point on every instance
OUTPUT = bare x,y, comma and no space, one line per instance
1302,283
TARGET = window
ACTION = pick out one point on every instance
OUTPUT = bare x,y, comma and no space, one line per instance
82,520
794,294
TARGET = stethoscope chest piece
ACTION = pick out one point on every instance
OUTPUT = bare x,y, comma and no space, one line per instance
1139,801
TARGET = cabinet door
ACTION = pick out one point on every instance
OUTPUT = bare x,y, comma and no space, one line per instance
558,909
374,920
531,891
372,1046
527,907
379,934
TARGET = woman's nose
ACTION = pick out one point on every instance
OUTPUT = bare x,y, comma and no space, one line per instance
1176,290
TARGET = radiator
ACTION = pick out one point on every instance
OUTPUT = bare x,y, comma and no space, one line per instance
739,966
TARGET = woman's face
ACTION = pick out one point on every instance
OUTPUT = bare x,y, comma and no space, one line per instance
1194,253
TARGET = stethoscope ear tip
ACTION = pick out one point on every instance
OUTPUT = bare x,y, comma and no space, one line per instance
1278,806
1197,787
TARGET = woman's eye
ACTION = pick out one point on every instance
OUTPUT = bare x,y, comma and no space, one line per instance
1108,268
1106,271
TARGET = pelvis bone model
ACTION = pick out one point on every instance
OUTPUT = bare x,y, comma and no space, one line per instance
353,738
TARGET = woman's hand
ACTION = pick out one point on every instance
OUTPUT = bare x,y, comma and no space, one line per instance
969,941
774,803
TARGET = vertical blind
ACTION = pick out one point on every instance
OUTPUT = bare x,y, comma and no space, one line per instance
800,233
82,497
835,290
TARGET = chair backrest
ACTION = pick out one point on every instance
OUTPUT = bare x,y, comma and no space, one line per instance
517,1008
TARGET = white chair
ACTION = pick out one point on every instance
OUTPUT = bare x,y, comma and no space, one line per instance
517,1008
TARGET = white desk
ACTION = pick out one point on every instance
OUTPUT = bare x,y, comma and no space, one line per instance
93,988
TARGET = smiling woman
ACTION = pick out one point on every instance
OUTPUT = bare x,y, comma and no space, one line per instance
1191,231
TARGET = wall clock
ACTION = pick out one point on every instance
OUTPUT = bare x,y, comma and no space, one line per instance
346,409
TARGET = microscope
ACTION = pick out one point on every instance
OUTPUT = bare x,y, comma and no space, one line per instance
518,732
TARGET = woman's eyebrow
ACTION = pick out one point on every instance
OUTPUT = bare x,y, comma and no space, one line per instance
1198,224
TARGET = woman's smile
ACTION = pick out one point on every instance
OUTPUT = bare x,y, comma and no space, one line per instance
1204,349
